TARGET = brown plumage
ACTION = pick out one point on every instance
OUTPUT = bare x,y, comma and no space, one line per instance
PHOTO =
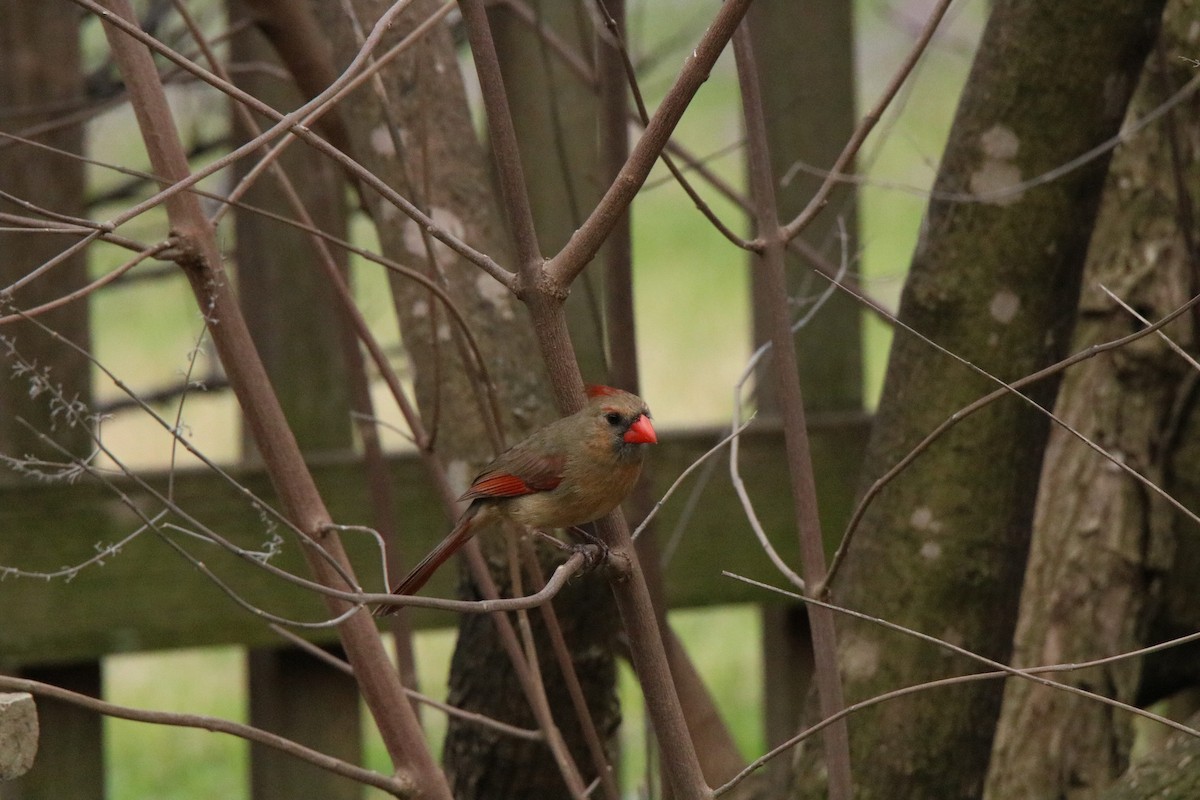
574,470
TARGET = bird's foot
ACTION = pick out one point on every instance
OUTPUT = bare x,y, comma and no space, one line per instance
595,552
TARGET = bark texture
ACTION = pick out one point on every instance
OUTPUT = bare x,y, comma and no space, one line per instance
995,280
414,130
1102,541
281,287
1170,773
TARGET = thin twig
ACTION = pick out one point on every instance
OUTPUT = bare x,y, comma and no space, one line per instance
817,203
1005,389
562,269
154,251
1127,132
525,671
296,123
563,573
566,666
1002,671
616,41
298,493
716,448
395,786
735,476
503,138
1133,312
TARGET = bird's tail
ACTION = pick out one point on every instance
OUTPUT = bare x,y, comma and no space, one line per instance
422,572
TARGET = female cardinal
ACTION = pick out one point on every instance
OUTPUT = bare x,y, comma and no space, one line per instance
572,471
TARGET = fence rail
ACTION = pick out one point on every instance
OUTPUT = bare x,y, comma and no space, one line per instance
147,597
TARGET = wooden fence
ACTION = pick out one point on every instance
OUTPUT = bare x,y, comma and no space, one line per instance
145,597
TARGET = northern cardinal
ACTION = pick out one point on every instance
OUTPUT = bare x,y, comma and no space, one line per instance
574,470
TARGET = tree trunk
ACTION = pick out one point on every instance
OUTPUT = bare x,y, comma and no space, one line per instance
420,140
1172,772
995,281
1101,540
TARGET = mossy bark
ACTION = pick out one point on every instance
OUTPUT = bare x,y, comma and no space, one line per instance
1102,541
995,280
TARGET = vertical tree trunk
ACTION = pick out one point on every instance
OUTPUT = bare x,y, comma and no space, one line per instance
1101,540
996,282
1172,772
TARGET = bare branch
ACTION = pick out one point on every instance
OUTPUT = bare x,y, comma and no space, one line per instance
503,139
790,402
1007,388
394,786
1002,671
296,123
298,493
562,269
793,228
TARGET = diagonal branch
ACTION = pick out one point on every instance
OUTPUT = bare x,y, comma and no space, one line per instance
563,268
817,203
201,261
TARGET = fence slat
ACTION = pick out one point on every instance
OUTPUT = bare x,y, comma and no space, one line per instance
288,305
69,760
829,347
39,71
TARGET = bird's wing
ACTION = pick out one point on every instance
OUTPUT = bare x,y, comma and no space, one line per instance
518,474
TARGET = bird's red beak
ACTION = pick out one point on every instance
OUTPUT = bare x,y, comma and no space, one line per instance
641,432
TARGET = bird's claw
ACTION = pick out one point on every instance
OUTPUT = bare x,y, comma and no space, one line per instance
594,551
594,555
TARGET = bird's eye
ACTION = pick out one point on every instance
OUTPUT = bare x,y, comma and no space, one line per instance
613,418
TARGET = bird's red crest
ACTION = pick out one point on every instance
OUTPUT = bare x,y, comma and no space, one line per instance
594,390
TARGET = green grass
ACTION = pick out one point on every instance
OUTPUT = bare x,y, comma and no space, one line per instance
166,763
